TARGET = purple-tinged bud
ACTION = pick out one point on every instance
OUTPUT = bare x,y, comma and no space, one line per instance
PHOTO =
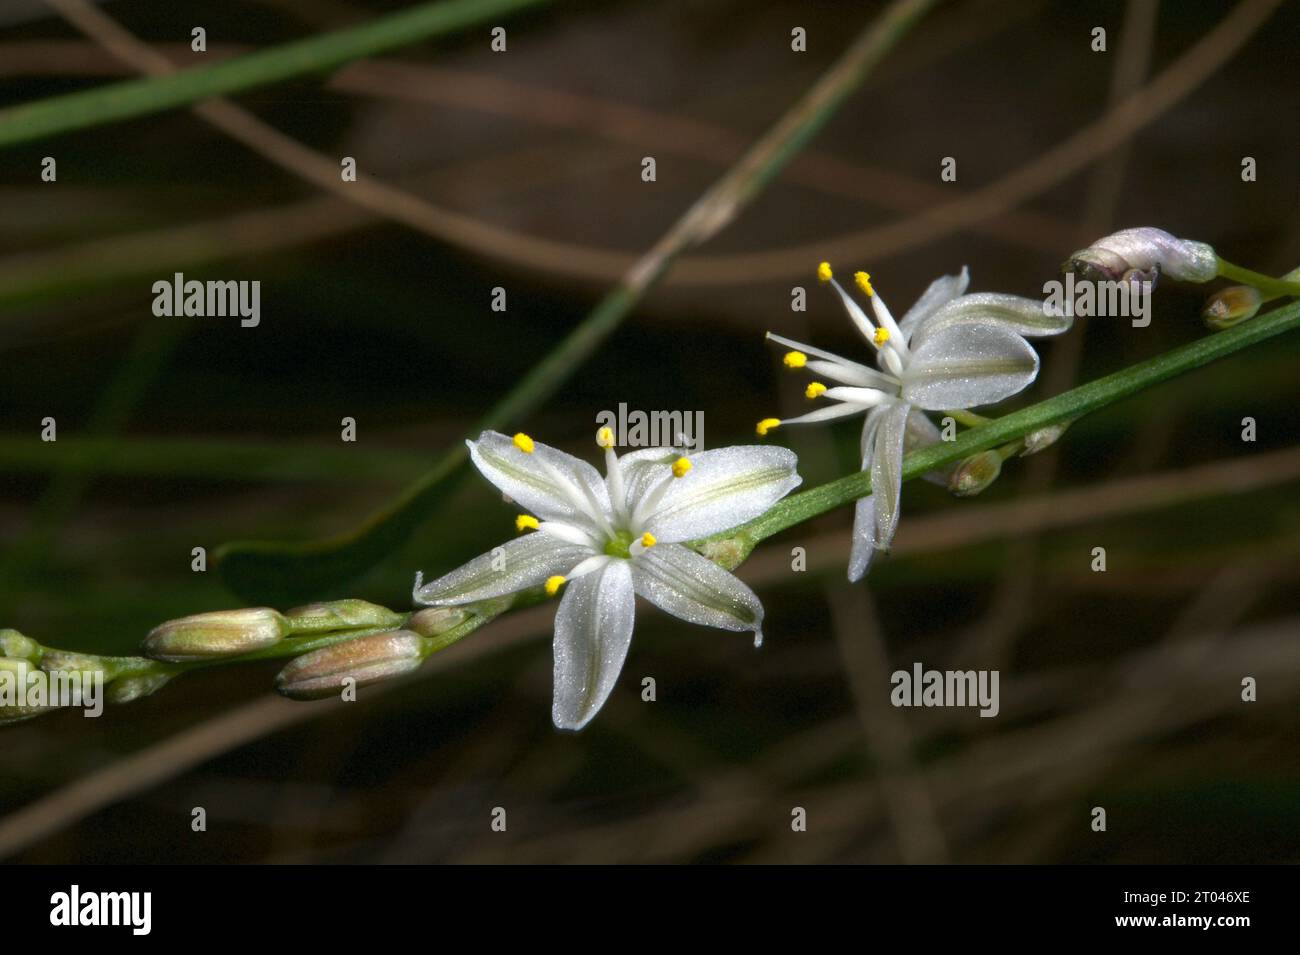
221,633
348,614
1231,305
364,660
435,621
975,474
1137,255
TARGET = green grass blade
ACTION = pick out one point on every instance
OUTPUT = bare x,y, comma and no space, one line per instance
119,101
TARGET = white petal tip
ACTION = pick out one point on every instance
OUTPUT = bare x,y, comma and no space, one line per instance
758,639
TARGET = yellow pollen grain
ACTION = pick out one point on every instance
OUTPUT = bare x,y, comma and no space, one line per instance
795,359
526,522
881,336
605,437
553,584
648,540
864,283
766,425
824,273
524,443
681,466
814,389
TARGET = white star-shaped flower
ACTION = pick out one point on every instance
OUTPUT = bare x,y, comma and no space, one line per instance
606,540
950,351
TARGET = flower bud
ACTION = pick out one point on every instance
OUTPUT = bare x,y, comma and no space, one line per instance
15,680
1143,255
365,660
435,621
1044,438
1231,305
130,688
340,615
218,634
17,647
65,661
974,474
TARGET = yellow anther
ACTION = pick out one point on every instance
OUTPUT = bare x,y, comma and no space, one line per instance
605,437
526,522
815,389
824,273
553,584
681,466
766,425
864,283
648,540
880,337
524,443
795,359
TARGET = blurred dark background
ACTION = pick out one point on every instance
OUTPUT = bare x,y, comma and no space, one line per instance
1118,689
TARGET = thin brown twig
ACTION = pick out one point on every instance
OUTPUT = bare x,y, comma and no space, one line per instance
997,199
992,640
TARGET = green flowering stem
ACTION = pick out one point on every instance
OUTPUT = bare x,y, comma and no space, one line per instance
735,545
119,101
1271,287
730,548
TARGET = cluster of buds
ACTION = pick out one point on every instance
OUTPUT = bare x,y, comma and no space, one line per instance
26,671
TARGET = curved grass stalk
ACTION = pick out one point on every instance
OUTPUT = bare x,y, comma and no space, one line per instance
119,101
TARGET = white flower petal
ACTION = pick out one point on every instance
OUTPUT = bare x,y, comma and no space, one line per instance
867,444
571,534
851,373
524,479
922,433
1025,316
869,376
828,413
645,470
724,488
941,291
969,364
862,397
864,537
887,471
593,628
695,589
516,565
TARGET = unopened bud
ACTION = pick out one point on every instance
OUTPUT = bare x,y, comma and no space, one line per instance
17,647
435,621
218,634
974,474
340,615
15,684
1143,255
364,660
130,688
87,664
1044,438
1231,305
